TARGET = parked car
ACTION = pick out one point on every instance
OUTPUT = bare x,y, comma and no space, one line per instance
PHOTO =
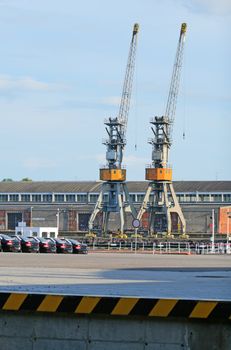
63,245
10,244
46,245
78,248
28,244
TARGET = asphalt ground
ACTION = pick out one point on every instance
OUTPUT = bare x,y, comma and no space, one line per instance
203,277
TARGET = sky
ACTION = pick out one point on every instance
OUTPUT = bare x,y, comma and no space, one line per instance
62,67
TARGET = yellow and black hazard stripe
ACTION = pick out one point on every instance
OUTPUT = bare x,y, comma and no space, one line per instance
119,306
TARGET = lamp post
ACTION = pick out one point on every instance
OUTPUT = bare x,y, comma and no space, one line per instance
227,227
57,216
136,225
213,233
31,219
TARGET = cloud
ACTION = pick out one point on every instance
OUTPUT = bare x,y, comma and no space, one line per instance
39,163
26,83
111,101
217,7
129,160
132,160
205,95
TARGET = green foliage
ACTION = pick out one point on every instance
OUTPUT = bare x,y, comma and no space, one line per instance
26,179
7,180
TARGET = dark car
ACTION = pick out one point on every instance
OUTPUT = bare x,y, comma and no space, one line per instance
63,245
28,244
46,245
10,244
78,248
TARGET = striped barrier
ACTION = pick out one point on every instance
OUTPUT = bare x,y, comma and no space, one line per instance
118,306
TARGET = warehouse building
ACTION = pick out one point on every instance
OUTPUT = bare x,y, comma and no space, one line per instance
69,205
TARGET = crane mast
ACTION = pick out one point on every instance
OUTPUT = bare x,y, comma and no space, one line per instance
160,200
114,196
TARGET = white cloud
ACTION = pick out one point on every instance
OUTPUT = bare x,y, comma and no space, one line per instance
100,157
39,163
217,7
26,83
132,160
129,160
111,101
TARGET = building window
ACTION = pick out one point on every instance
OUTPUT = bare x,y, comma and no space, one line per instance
227,198
47,198
203,198
181,198
44,234
36,198
70,198
13,197
25,197
216,198
187,198
52,234
81,198
3,198
93,198
59,197
132,197
140,198
193,197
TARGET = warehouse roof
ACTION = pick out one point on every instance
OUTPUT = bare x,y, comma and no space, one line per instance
94,187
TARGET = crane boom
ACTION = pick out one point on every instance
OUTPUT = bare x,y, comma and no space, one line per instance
175,81
127,86
117,126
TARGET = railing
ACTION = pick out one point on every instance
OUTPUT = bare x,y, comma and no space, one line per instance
160,248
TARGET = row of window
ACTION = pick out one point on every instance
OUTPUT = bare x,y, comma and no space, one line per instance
92,198
35,234
45,198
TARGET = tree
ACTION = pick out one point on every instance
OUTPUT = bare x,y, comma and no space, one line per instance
26,179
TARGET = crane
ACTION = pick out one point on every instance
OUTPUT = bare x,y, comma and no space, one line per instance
160,200
114,196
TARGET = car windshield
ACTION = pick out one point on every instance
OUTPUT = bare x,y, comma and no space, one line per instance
60,240
32,239
5,236
74,241
49,239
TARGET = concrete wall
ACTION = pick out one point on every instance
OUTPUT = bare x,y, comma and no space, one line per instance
197,216
47,331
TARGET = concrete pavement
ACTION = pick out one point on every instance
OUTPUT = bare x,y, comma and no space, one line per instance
187,277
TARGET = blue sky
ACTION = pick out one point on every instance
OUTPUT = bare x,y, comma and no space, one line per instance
61,75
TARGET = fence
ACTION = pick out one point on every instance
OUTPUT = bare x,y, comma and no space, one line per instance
161,247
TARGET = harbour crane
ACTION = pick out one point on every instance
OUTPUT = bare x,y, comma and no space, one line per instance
160,200
114,196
